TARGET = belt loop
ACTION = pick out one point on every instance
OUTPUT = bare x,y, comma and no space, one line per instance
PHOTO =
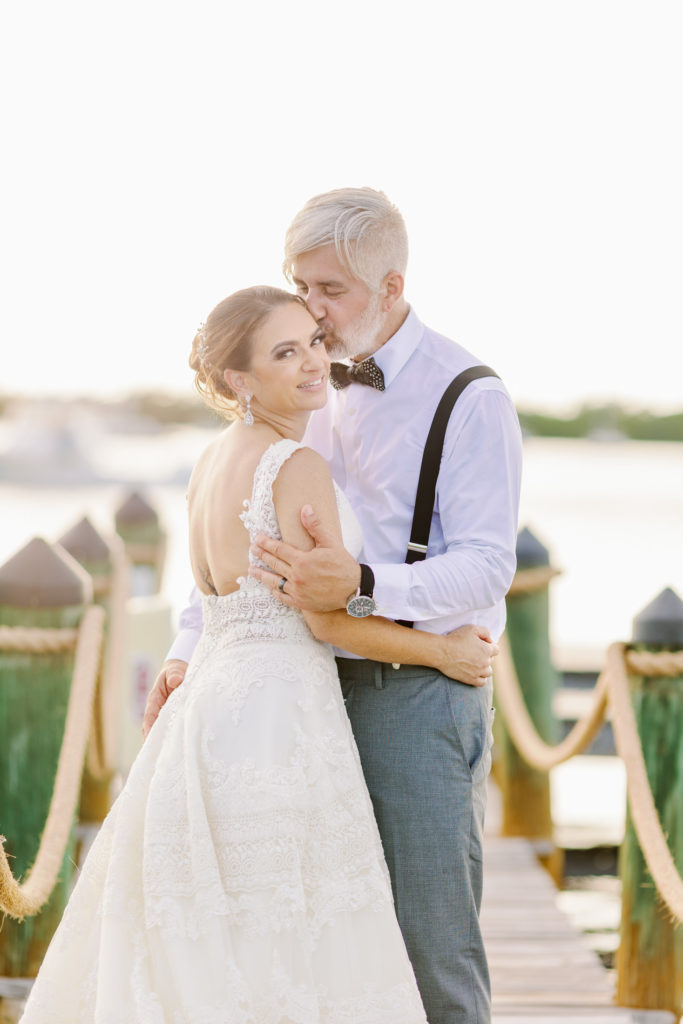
379,680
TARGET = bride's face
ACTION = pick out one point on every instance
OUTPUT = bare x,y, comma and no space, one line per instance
289,362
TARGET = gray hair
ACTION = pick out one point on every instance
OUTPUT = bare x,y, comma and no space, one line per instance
366,229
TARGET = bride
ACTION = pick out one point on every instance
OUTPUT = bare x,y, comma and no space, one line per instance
239,877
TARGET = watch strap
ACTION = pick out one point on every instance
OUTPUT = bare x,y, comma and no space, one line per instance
367,580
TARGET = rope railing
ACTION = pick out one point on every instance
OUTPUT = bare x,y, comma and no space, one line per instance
22,899
535,751
644,815
32,640
612,689
102,748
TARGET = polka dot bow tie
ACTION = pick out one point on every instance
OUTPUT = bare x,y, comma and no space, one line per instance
367,372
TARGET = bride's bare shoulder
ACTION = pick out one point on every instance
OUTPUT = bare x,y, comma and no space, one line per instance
303,469
304,479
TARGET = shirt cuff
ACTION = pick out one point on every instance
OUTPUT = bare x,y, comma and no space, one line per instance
184,644
392,591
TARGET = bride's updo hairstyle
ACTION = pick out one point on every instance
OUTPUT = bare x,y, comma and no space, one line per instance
224,342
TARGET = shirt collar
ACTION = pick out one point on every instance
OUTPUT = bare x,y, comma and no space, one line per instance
395,353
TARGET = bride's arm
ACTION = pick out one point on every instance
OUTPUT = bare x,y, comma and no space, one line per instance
464,654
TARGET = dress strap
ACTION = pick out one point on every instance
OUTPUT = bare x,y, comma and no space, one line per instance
259,514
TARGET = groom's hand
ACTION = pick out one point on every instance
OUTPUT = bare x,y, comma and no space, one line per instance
171,675
319,580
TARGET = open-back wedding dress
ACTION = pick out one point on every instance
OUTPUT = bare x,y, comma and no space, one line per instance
239,877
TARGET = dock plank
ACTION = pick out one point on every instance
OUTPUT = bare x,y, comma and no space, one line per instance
542,970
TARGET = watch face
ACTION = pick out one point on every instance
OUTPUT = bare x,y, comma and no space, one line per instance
361,606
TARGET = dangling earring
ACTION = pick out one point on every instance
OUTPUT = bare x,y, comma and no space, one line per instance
248,414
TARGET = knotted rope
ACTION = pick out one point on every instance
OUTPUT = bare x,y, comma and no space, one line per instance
26,898
612,684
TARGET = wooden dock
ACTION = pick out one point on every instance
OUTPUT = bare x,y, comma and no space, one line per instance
542,970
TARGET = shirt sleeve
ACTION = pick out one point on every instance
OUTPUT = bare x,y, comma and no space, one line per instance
190,625
477,502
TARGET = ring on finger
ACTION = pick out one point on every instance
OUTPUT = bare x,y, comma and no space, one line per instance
281,584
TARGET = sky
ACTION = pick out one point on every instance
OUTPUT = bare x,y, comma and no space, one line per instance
154,154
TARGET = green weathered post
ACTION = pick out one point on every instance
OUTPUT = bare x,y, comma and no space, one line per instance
40,587
91,551
526,791
650,956
137,523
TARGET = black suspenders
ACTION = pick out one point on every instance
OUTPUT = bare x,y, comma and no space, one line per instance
431,463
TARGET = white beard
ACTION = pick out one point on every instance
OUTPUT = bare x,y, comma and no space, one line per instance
360,336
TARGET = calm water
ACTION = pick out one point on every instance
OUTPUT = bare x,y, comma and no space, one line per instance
611,514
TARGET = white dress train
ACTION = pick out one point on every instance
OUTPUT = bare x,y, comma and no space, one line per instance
239,877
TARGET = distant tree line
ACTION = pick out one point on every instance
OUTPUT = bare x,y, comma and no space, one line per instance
173,408
605,421
598,421
590,421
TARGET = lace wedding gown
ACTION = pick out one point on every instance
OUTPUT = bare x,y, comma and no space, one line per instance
239,877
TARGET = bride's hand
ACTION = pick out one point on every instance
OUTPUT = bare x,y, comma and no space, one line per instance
468,654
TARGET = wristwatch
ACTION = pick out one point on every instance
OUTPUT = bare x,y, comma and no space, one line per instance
362,603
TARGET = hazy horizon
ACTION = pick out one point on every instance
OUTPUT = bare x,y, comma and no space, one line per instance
571,408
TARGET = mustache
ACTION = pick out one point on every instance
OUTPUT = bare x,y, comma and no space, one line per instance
335,346
330,336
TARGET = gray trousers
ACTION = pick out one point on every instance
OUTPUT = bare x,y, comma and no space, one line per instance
425,746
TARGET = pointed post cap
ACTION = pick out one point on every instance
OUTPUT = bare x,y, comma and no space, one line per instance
85,544
43,575
530,551
661,622
135,511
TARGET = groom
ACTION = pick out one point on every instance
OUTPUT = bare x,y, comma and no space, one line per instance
424,740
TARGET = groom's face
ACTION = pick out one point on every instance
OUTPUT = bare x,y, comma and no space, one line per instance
348,311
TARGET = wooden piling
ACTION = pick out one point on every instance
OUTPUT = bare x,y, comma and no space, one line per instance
138,525
526,791
91,551
41,586
650,956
